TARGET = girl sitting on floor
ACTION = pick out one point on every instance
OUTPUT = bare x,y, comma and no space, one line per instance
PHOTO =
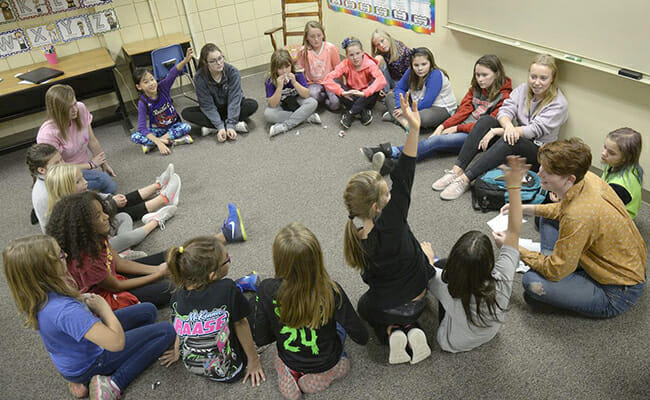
303,301
156,108
85,339
394,57
40,158
363,82
288,96
318,58
207,308
473,289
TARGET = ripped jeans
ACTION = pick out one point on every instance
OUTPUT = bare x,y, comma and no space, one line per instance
578,292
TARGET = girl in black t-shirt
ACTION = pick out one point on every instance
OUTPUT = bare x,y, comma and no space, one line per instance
206,310
391,261
306,313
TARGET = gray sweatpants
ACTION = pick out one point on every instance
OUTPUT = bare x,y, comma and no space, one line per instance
275,115
125,236
429,117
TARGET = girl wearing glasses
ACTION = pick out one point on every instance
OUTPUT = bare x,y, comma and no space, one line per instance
209,314
222,107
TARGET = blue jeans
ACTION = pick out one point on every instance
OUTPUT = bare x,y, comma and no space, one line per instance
431,146
99,181
549,231
580,293
146,340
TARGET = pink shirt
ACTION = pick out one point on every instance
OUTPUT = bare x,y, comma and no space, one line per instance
75,149
320,64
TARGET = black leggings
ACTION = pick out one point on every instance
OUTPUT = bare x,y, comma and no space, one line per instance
497,151
196,116
380,319
358,103
135,206
159,292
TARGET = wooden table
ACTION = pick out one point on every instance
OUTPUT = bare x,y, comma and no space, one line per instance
139,53
90,73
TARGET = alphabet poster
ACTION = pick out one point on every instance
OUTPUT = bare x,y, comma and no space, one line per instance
93,3
6,12
103,21
31,8
63,5
417,15
74,28
43,35
13,42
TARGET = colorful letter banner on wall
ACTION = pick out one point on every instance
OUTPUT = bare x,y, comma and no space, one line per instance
417,15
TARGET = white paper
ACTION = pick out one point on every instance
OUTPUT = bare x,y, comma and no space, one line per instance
529,245
500,223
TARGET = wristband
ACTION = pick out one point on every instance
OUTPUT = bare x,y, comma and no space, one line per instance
92,164
513,187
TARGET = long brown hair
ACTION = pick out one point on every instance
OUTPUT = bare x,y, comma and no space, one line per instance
468,273
362,190
493,63
280,58
305,44
58,100
305,297
630,144
191,264
33,268
203,58
415,83
546,60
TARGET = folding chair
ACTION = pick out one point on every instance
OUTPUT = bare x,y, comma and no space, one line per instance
317,12
164,59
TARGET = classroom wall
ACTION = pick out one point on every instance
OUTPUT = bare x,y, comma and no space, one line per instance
236,26
598,102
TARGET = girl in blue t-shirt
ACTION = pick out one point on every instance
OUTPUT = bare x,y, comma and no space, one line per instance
209,315
287,93
86,340
159,124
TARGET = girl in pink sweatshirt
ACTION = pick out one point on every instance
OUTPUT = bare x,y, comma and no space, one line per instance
360,82
318,58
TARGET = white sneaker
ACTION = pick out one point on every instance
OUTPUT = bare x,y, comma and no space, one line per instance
132,254
173,190
277,129
160,216
187,139
419,347
241,127
387,116
455,189
445,181
397,344
205,131
314,119
164,178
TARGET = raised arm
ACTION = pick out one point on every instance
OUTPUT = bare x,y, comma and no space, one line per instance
410,112
514,174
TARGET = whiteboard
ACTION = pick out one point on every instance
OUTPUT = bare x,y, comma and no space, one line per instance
611,32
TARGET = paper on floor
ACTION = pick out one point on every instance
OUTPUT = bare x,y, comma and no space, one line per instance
500,223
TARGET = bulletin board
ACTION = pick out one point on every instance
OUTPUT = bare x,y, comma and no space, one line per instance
417,15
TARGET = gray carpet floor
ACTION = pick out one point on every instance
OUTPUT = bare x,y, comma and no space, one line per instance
300,176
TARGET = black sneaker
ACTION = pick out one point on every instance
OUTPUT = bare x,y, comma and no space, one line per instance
385,148
382,164
366,117
346,119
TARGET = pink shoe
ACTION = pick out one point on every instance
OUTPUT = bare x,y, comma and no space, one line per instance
455,189
101,388
443,182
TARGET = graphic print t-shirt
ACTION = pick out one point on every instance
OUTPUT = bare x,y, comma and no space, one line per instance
204,321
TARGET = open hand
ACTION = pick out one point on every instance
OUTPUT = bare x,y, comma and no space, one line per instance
107,168
120,200
515,171
255,372
410,112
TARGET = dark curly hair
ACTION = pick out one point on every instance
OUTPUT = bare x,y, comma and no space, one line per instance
71,224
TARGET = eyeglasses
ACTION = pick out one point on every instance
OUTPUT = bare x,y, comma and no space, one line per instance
225,262
217,60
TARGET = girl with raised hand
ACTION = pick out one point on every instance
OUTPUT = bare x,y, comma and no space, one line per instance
620,156
489,88
395,266
209,313
86,340
473,289
394,57
318,58
222,106
156,109
537,107
306,313
65,179
363,82
68,129
81,225
288,96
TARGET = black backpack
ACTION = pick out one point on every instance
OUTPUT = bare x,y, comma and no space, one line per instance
489,190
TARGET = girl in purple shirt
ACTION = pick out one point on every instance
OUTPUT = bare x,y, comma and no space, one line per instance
156,106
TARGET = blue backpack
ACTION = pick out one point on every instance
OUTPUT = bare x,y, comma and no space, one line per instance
489,190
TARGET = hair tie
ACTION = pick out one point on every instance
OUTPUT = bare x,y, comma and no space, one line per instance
351,217
345,42
180,250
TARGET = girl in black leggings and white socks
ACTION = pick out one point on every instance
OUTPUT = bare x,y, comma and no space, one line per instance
394,265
